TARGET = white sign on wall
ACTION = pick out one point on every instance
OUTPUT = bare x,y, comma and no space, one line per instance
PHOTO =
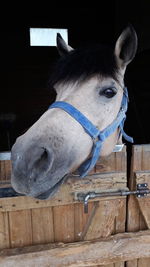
46,36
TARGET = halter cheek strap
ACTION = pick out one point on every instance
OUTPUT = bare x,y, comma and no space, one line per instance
97,135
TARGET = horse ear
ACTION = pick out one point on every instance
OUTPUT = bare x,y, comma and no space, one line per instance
126,47
62,47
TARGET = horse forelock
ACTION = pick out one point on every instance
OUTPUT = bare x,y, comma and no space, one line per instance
82,63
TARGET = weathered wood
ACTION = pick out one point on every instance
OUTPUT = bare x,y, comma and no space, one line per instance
138,216
120,224
102,224
120,217
42,225
5,170
101,221
64,223
117,264
142,177
69,191
143,262
133,220
132,263
108,218
120,247
106,164
116,161
82,220
20,228
144,205
98,182
4,230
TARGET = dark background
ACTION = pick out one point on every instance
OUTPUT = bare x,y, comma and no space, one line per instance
24,94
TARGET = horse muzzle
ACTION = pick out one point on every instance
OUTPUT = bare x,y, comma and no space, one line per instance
35,172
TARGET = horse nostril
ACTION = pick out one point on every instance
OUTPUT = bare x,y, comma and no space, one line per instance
31,165
43,161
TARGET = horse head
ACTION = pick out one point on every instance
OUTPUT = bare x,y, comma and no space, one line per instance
86,120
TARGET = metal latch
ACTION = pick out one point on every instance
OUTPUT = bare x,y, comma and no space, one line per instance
142,191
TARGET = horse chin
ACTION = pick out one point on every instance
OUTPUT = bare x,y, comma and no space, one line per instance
52,191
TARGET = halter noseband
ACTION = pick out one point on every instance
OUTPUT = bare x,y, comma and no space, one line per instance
97,135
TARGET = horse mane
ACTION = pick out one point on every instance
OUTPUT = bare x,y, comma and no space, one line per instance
83,63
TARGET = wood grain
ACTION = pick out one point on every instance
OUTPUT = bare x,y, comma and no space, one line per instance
20,228
68,192
138,214
42,225
117,248
5,170
4,230
64,223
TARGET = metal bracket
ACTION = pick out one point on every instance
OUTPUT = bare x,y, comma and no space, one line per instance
142,191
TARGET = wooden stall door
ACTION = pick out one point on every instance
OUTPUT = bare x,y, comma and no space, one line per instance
138,215
26,221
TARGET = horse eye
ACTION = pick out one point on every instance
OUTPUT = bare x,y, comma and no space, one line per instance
108,92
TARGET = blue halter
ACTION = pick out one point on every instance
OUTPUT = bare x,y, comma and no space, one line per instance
97,135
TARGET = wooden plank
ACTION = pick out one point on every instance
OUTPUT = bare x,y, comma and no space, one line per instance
116,161
68,192
142,177
120,247
119,264
102,223
5,170
81,219
133,213
98,223
64,223
120,224
140,170
42,225
98,182
141,158
121,160
120,216
133,223
145,157
136,165
144,205
4,230
132,263
8,169
2,170
138,214
106,164
20,228
109,217
143,262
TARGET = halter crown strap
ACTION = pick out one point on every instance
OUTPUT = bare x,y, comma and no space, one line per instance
97,135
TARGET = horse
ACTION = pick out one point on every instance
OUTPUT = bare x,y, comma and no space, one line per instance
86,120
